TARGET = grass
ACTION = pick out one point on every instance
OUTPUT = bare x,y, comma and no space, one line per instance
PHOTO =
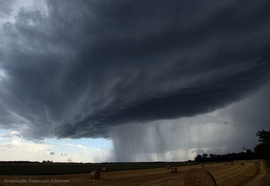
267,162
76,168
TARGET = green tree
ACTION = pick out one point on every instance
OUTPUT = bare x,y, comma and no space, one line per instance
198,158
205,157
264,136
262,150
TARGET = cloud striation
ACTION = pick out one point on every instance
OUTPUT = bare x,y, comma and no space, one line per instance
78,68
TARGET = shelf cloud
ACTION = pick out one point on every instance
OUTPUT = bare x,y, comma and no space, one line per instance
73,69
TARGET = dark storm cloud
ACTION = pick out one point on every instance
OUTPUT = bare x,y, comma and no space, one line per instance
251,114
6,7
77,68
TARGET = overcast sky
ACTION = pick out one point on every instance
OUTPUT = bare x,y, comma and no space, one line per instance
161,80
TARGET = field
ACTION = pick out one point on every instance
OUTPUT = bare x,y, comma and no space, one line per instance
250,174
74,168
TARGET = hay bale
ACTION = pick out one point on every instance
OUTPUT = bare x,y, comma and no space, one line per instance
95,175
173,170
198,177
256,162
105,169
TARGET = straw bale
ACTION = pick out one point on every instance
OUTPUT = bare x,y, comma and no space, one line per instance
173,170
198,176
95,175
105,169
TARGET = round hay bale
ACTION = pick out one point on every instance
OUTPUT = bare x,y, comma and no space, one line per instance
173,170
198,177
95,175
105,169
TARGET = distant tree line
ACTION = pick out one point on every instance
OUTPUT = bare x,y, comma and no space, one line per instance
19,162
248,155
261,151
263,148
44,161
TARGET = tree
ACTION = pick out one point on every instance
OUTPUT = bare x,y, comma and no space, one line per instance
205,157
198,158
212,157
264,136
262,150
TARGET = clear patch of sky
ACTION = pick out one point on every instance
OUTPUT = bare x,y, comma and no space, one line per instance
98,143
3,131
102,144
58,150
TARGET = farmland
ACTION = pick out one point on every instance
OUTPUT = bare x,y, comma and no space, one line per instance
239,173
75,168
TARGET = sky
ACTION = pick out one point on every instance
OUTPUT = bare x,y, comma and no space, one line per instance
123,80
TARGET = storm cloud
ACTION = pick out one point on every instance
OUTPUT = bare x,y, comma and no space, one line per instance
223,131
6,7
83,68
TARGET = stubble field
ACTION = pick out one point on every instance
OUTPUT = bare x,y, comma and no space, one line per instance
249,174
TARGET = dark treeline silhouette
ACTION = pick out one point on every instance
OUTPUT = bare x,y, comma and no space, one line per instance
44,161
263,148
248,155
19,162
261,151
48,161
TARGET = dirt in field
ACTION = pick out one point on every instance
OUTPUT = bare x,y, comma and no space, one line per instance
250,174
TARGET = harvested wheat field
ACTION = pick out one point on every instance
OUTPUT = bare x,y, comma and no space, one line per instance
250,174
